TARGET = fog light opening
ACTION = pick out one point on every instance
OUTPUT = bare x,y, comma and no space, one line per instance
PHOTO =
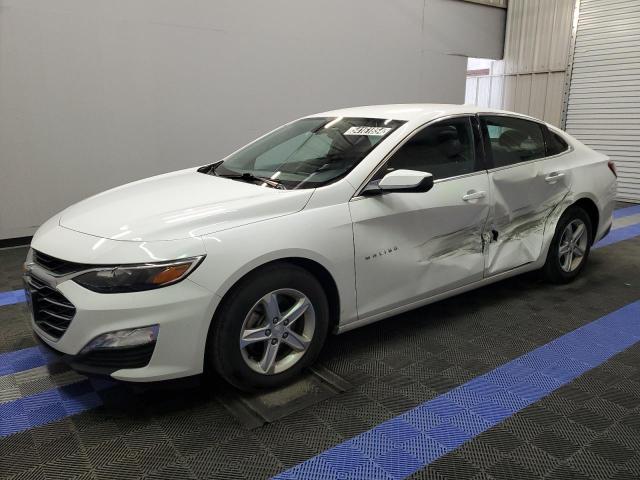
132,337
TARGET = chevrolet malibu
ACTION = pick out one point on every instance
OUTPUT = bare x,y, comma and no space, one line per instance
325,224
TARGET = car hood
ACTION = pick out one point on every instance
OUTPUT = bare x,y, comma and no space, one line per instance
179,205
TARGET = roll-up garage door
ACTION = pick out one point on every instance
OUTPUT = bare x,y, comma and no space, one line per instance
603,108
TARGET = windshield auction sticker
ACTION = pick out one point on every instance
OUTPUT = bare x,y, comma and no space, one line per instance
372,131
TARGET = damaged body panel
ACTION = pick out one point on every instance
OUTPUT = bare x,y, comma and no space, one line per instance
524,195
411,249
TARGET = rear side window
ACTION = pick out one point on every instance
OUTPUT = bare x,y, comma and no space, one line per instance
513,140
555,144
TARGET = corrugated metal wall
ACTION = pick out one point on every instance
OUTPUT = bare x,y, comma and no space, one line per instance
531,78
604,98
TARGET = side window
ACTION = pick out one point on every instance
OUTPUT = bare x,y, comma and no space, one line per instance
444,149
555,143
513,140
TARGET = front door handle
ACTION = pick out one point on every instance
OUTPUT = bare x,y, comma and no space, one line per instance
473,195
553,177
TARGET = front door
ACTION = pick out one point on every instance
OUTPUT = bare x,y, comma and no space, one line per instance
525,188
409,246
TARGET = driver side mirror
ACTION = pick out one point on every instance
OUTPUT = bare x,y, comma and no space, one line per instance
406,181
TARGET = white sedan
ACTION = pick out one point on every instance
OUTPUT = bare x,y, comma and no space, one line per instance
328,223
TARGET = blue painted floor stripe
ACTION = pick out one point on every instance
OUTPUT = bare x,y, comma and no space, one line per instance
51,405
627,211
405,444
11,297
25,359
619,234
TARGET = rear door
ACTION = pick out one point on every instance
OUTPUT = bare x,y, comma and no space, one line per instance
525,188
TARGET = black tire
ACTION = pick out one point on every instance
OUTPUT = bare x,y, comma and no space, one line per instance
552,270
224,354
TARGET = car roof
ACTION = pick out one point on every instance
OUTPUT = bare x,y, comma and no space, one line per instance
412,112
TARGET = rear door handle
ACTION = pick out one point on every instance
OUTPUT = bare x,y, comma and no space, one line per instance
553,177
473,195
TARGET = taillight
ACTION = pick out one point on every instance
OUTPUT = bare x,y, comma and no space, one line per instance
612,167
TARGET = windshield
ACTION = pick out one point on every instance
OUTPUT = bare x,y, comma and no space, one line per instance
307,153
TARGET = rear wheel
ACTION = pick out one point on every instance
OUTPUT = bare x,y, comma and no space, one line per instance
270,326
570,246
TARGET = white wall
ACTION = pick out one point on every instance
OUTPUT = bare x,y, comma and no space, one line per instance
95,93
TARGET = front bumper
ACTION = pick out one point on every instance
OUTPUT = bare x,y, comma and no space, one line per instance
182,311
105,361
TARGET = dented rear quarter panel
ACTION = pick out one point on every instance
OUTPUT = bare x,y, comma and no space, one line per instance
590,178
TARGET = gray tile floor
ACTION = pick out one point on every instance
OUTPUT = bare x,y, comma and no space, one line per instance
589,428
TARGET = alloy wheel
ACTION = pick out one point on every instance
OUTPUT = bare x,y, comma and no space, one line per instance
573,245
277,331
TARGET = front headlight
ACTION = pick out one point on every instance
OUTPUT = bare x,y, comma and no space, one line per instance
137,278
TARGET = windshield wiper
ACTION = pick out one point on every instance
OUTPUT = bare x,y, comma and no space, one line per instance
250,177
247,177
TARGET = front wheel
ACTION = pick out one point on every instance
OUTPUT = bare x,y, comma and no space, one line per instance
270,326
570,246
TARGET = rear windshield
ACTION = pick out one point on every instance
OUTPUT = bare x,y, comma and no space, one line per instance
310,152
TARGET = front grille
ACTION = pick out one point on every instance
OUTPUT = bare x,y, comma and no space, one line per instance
57,266
117,358
52,312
